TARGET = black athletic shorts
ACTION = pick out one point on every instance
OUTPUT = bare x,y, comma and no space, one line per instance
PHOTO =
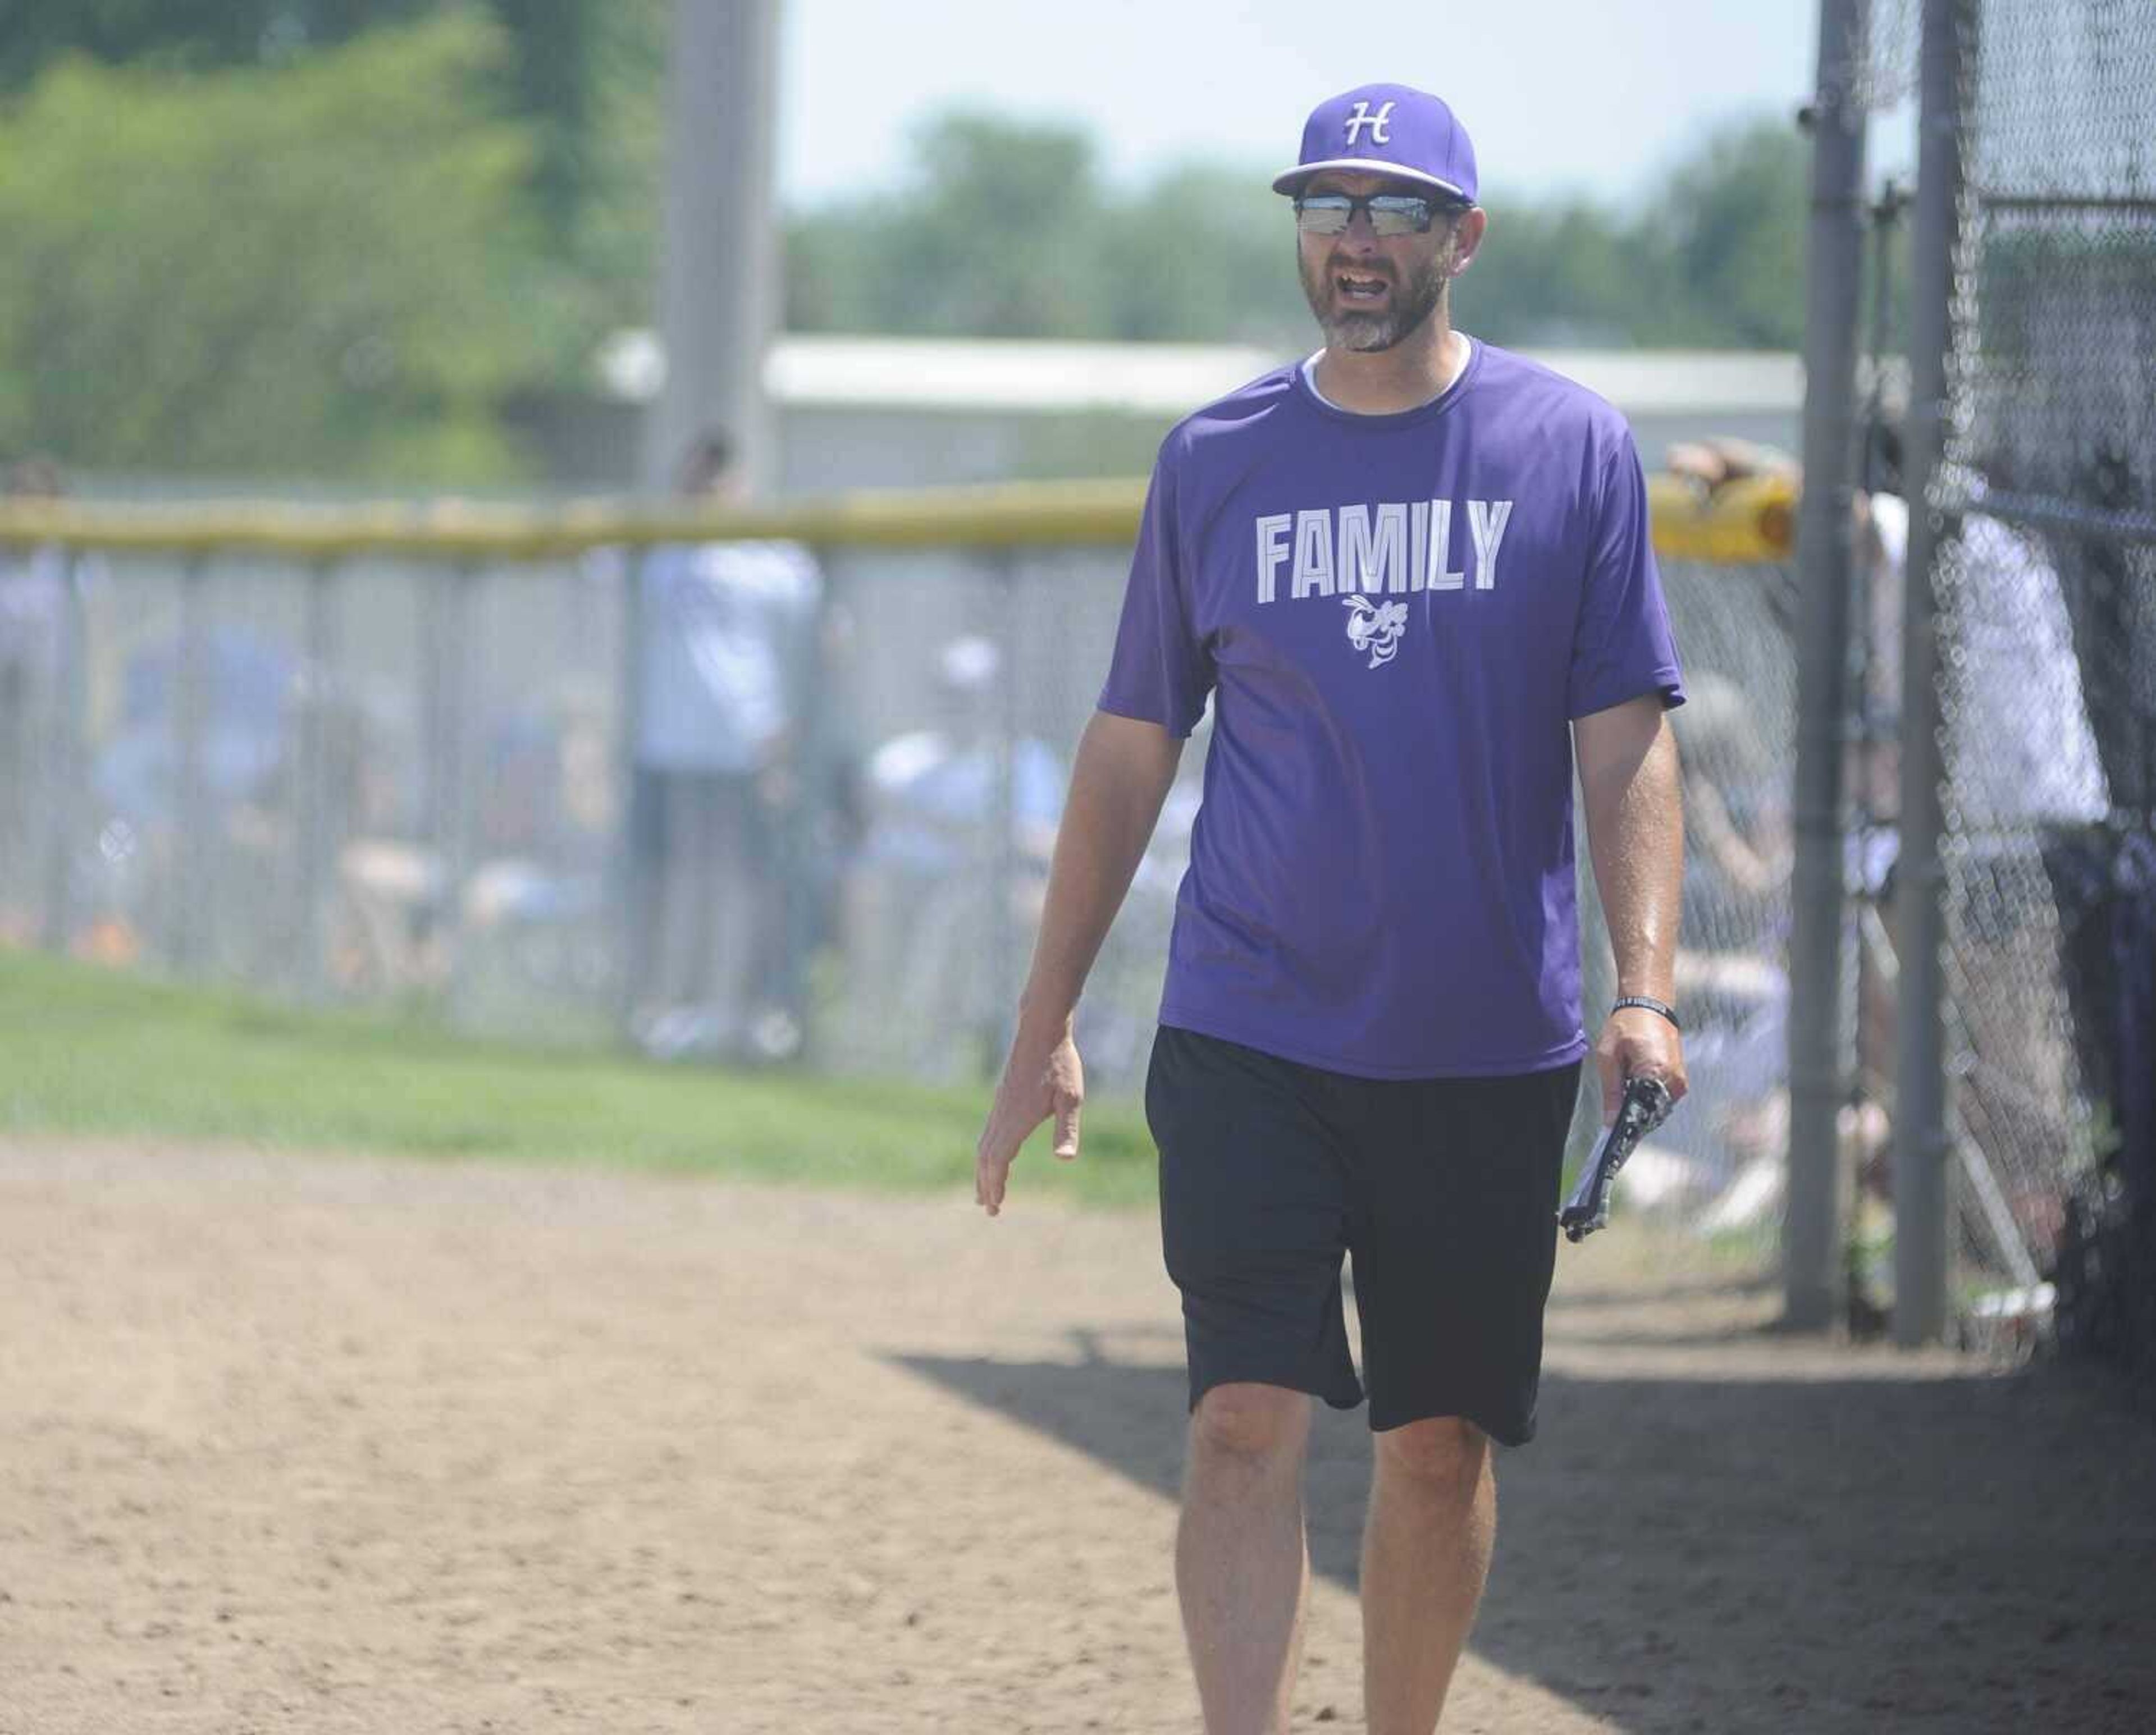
1443,1190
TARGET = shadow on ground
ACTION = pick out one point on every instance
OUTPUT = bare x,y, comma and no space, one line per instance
1756,1541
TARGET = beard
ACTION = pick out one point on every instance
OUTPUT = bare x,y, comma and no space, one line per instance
1411,303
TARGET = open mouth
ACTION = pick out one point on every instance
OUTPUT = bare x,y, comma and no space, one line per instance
1351,287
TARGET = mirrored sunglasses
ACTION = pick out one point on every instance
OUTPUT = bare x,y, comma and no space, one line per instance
1391,213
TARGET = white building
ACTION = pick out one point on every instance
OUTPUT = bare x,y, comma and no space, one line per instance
897,411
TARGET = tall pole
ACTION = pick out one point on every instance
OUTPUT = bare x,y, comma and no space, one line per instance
1920,1136
1816,1280
718,290
65,757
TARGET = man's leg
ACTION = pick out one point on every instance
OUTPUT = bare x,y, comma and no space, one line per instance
738,926
1455,1251
1242,1565
1426,1545
645,886
678,965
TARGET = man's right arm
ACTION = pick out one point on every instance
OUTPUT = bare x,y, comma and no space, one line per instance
1122,774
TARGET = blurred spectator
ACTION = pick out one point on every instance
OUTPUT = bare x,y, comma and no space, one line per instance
527,913
34,609
2023,755
938,874
2023,780
238,809
1740,847
1740,851
246,680
936,789
728,650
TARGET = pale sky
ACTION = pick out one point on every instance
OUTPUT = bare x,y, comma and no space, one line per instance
1595,96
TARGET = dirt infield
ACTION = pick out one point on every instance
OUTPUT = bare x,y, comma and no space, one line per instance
299,1444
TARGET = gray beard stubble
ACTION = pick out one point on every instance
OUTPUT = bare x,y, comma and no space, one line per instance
1414,301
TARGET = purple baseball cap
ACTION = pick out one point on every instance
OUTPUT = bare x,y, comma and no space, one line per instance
1386,129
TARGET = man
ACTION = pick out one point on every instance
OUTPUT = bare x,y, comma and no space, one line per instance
728,639
1401,569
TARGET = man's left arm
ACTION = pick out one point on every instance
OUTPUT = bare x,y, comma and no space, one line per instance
1628,779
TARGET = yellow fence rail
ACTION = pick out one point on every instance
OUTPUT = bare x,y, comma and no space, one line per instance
1751,522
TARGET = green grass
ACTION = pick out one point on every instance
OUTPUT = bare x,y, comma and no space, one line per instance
86,1051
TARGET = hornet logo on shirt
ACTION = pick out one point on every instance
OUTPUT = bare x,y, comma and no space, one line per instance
1375,628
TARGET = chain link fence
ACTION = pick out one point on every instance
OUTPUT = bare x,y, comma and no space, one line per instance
412,782
2046,588
965,681
374,779
1718,1166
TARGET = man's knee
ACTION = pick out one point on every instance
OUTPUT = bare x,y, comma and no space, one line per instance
1250,1423
1441,1454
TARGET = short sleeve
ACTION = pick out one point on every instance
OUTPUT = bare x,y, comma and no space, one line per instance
1160,672
1622,646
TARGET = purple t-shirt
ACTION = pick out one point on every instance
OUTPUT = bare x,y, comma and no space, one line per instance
1398,617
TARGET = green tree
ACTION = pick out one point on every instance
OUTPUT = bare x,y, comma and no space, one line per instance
1729,225
558,52
1712,259
1205,253
191,35
1562,275
611,242
996,236
1003,229
328,269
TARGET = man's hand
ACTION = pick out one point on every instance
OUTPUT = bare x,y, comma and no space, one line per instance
1117,783
1034,1086
1714,463
1636,1043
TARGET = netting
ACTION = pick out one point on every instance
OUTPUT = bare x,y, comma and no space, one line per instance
2047,594
377,781
1886,77
1718,1164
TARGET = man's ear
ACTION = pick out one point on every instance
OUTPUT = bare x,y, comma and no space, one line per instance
1467,237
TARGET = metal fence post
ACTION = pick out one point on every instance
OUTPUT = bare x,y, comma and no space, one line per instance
630,887
319,829
1920,1136
806,815
448,804
1814,1276
65,758
191,939
1001,1002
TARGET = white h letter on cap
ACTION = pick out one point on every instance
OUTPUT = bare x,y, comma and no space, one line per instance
1379,133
